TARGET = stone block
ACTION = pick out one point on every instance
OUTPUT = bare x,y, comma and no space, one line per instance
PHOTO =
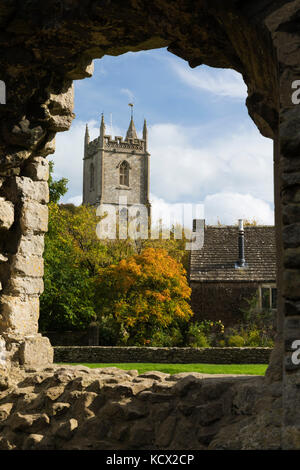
291,258
291,284
28,265
19,315
26,285
34,217
27,188
36,351
292,308
61,110
291,235
31,245
291,195
49,146
26,422
67,428
209,413
289,135
37,169
7,214
166,431
32,441
291,214
62,103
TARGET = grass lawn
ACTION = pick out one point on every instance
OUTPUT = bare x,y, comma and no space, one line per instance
247,369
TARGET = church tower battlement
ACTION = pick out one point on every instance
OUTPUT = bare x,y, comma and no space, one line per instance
116,167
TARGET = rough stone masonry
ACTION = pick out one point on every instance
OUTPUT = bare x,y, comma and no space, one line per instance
43,48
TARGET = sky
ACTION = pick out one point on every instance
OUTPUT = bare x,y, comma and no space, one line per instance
206,152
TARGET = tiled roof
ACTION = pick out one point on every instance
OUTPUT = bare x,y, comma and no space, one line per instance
216,261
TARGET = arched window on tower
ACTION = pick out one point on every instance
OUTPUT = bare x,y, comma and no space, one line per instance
124,173
92,176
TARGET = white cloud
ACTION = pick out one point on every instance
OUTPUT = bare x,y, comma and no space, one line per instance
176,213
223,207
128,93
227,208
221,82
69,154
189,164
231,172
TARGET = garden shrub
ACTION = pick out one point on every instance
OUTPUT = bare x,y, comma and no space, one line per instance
236,341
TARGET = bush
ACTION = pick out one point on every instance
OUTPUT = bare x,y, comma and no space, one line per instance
236,341
167,338
196,336
200,341
204,333
111,333
145,293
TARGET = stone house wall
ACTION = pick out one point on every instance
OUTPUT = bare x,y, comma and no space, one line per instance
221,301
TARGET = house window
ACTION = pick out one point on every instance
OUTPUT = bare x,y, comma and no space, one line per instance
124,174
273,297
268,297
92,176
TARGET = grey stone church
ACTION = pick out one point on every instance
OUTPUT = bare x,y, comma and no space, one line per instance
114,168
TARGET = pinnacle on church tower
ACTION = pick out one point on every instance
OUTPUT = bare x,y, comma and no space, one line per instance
102,125
87,135
86,139
102,130
145,132
131,133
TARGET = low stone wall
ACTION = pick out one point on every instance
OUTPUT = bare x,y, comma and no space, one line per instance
115,354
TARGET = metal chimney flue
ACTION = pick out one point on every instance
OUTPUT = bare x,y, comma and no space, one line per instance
241,263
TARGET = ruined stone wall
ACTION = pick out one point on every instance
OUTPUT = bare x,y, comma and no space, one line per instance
24,220
45,46
77,408
42,50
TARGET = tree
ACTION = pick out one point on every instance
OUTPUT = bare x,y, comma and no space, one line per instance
57,188
144,293
67,301
73,256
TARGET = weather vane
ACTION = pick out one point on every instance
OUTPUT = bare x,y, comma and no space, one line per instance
131,105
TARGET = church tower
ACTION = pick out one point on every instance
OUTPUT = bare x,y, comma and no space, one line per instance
114,168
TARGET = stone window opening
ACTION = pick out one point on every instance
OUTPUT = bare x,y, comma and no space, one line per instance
124,174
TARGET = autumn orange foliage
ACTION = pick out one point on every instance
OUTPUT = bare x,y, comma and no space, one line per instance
145,292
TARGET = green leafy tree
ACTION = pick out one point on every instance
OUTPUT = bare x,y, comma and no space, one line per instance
67,301
57,188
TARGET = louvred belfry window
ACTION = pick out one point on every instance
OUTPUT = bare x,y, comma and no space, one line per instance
124,174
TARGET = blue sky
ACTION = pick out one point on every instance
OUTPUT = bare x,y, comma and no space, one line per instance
204,147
